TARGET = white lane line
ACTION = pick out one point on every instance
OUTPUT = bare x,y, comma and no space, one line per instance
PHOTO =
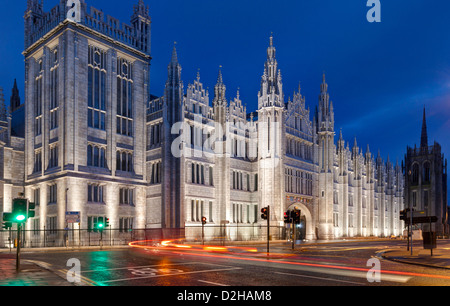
321,278
173,274
211,283
356,274
140,267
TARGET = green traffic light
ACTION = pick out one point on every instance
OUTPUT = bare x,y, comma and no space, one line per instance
100,225
20,218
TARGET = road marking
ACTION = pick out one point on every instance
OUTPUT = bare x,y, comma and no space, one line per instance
86,281
211,283
140,267
321,278
349,272
173,274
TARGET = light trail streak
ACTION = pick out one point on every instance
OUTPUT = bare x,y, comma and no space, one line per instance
226,254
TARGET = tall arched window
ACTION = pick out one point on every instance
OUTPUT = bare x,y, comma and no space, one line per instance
426,173
415,174
96,156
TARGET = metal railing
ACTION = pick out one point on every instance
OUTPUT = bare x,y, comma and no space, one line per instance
77,238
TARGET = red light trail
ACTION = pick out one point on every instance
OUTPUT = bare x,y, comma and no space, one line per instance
208,251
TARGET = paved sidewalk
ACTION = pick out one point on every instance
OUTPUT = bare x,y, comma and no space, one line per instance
440,258
30,274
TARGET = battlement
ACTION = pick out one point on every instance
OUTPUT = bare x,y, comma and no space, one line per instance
423,151
136,35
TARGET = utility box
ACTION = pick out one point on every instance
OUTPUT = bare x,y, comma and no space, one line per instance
429,240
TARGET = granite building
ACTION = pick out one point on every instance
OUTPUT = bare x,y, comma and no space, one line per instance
426,181
276,156
86,93
96,142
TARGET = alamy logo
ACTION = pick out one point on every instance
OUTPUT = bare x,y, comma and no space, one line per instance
74,12
374,274
200,140
374,14
74,274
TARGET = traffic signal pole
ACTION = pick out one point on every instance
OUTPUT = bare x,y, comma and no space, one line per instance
411,228
268,229
19,228
293,233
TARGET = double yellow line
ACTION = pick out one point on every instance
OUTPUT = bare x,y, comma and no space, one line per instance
84,280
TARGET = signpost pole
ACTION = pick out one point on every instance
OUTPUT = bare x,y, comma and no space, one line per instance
411,228
293,228
268,228
431,236
19,228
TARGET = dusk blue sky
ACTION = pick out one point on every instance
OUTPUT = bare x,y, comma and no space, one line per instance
380,75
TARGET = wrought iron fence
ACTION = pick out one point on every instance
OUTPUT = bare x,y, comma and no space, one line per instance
211,234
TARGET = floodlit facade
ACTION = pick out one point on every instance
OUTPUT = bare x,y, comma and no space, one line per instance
276,156
97,143
426,182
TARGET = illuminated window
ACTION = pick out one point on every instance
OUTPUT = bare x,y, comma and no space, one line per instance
95,193
125,224
38,101
96,156
124,161
126,196
124,98
97,88
54,96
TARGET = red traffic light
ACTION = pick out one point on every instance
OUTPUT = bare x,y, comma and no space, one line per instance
264,212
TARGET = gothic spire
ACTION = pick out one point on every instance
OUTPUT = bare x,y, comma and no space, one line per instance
271,93
174,89
15,98
174,54
424,137
219,90
3,112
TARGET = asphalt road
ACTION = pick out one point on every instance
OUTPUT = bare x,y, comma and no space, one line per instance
336,264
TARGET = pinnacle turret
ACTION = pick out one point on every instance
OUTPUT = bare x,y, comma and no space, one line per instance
424,137
219,90
271,93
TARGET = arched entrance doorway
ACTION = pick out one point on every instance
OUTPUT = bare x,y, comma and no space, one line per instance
304,230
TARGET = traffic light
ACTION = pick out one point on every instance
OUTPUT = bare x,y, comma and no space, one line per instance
20,210
106,222
7,217
264,213
6,225
403,215
296,216
287,218
7,220
31,208
100,224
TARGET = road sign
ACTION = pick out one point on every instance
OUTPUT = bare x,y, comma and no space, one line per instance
73,217
419,220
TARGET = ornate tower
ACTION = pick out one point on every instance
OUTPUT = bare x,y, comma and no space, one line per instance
326,149
222,157
173,167
86,88
271,137
426,181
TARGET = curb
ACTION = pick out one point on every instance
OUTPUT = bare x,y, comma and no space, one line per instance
409,262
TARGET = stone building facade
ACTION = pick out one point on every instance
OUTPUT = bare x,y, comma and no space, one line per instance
426,181
276,156
86,87
96,142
